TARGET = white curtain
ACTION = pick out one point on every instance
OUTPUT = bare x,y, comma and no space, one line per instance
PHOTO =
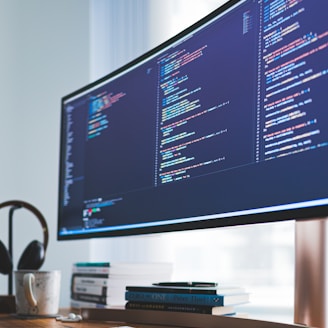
122,30
119,33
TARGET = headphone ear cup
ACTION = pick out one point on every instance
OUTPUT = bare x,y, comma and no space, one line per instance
32,257
6,264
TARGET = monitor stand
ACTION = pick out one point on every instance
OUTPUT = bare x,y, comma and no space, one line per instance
311,272
311,269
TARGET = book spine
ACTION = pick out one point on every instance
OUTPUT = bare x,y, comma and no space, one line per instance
92,290
90,298
90,280
195,299
177,308
182,290
91,269
87,277
91,264
82,304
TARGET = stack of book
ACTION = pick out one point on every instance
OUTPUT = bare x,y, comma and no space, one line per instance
102,284
186,297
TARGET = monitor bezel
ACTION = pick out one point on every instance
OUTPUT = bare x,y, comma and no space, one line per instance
238,219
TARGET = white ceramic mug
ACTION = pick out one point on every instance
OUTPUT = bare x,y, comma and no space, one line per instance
37,292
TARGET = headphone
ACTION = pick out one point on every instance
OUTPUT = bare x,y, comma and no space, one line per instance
34,254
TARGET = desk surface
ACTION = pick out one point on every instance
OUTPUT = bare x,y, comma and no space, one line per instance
10,321
138,319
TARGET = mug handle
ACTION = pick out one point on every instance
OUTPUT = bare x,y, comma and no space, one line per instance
28,280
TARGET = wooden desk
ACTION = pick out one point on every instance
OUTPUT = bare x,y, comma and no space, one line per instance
94,318
12,321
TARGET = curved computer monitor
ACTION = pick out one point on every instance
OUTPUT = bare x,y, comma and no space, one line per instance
224,124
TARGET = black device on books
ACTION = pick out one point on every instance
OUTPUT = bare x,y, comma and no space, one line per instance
186,284
223,124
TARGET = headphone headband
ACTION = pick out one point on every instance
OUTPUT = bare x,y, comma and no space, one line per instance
35,211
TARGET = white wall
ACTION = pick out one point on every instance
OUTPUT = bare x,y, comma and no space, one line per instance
44,55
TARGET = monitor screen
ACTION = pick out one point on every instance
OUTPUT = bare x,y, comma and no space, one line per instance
224,124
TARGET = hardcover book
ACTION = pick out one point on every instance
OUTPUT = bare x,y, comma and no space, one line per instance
187,290
199,299
214,310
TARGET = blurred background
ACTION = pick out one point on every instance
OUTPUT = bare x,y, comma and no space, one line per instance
51,48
